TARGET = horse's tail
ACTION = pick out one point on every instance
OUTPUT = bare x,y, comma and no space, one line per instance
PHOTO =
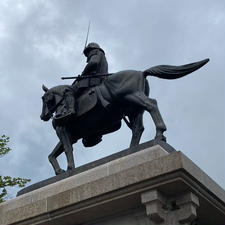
174,72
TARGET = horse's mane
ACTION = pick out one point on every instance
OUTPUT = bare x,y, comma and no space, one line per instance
59,88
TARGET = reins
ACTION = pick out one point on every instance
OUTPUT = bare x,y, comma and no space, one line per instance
59,102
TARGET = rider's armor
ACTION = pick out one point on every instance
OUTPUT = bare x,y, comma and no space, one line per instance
96,64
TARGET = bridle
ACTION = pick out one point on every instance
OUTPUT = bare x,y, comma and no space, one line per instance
53,109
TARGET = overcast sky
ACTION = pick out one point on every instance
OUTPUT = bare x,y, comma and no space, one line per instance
41,40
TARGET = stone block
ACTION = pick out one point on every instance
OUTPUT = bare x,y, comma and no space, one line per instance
181,209
147,187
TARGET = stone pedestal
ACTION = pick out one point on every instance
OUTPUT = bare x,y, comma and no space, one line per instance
147,187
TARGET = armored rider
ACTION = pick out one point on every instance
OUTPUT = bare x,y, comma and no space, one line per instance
96,65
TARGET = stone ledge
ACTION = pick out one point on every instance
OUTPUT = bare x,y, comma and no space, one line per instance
115,187
96,163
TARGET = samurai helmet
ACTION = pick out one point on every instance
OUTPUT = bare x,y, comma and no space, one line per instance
90,47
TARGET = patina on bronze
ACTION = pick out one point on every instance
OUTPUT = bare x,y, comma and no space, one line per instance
102,104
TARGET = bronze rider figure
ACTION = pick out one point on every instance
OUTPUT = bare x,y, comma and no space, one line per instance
96,64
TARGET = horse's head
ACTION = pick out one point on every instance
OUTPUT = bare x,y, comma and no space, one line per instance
48,107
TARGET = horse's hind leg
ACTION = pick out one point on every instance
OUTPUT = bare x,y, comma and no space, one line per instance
140,99
52,158
136,125
158,120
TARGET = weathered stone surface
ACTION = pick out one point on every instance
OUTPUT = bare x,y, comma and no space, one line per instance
96,163
132,217
178,209
203,178
115,190
154,202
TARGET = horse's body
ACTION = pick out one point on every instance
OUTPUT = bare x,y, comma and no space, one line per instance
122,94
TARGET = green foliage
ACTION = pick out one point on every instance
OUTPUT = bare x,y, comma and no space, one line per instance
3,145
7,181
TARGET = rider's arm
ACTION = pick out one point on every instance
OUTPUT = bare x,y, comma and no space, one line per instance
92,64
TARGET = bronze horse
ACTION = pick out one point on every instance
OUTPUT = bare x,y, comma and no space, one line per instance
101,109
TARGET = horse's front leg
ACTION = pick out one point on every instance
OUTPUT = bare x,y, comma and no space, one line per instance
52,158
66,141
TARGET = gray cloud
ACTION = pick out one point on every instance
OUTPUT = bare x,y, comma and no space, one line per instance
42,40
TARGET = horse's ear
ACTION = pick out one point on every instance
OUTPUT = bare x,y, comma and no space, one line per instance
45,89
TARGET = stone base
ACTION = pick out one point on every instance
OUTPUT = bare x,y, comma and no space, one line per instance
168,148
147,187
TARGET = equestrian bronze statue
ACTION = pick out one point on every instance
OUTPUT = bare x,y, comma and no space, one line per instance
96,102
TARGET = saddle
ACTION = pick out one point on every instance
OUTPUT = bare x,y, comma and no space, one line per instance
86,102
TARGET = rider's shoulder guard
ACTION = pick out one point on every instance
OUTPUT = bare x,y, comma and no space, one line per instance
94,52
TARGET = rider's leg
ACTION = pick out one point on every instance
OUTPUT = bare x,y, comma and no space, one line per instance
68,108
70,102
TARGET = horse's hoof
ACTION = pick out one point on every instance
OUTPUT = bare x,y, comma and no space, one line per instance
70,168
160,137
60,171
